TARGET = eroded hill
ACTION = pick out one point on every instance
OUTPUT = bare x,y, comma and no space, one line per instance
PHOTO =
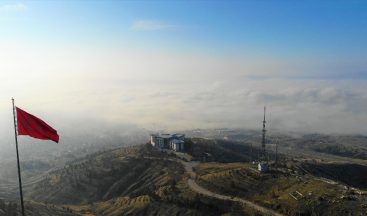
127,181
282,189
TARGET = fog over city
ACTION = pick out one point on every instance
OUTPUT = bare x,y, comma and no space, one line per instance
159,72
183,107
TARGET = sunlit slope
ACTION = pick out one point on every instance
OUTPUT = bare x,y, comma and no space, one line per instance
35,209
281,190
111,174
129,181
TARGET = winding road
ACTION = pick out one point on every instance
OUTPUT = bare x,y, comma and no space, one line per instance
197,188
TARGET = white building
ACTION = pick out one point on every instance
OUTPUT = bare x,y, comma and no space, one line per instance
156,141
175,142
177,145
263,167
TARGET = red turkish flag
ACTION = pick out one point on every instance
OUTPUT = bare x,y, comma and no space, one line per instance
30,125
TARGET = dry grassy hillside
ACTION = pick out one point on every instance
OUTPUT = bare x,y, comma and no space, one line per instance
128,181
281,190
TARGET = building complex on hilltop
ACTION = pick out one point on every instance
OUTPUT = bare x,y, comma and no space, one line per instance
175,142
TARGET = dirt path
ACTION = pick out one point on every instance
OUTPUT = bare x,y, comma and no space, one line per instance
197,188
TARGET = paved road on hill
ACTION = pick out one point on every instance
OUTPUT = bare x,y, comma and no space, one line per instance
197,188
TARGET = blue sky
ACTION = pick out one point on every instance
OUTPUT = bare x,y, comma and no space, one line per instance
332,29
207,60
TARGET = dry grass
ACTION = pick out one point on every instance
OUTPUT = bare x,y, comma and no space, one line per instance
273,190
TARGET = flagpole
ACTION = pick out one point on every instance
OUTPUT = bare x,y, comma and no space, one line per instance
16,144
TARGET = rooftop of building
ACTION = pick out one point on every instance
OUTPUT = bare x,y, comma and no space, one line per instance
165,135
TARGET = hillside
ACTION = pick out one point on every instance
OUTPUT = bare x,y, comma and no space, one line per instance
354,175
106,176
143,180
134,181
281,190
34,209
291,143
223,151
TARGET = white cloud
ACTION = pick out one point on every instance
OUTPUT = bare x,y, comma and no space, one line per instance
151,25
173,91
13,7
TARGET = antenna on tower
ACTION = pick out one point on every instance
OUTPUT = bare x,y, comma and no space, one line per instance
264,115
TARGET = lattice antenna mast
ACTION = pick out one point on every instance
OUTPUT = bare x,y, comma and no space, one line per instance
263,151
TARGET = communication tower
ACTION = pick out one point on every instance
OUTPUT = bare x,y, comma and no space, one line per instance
263,159
263,150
